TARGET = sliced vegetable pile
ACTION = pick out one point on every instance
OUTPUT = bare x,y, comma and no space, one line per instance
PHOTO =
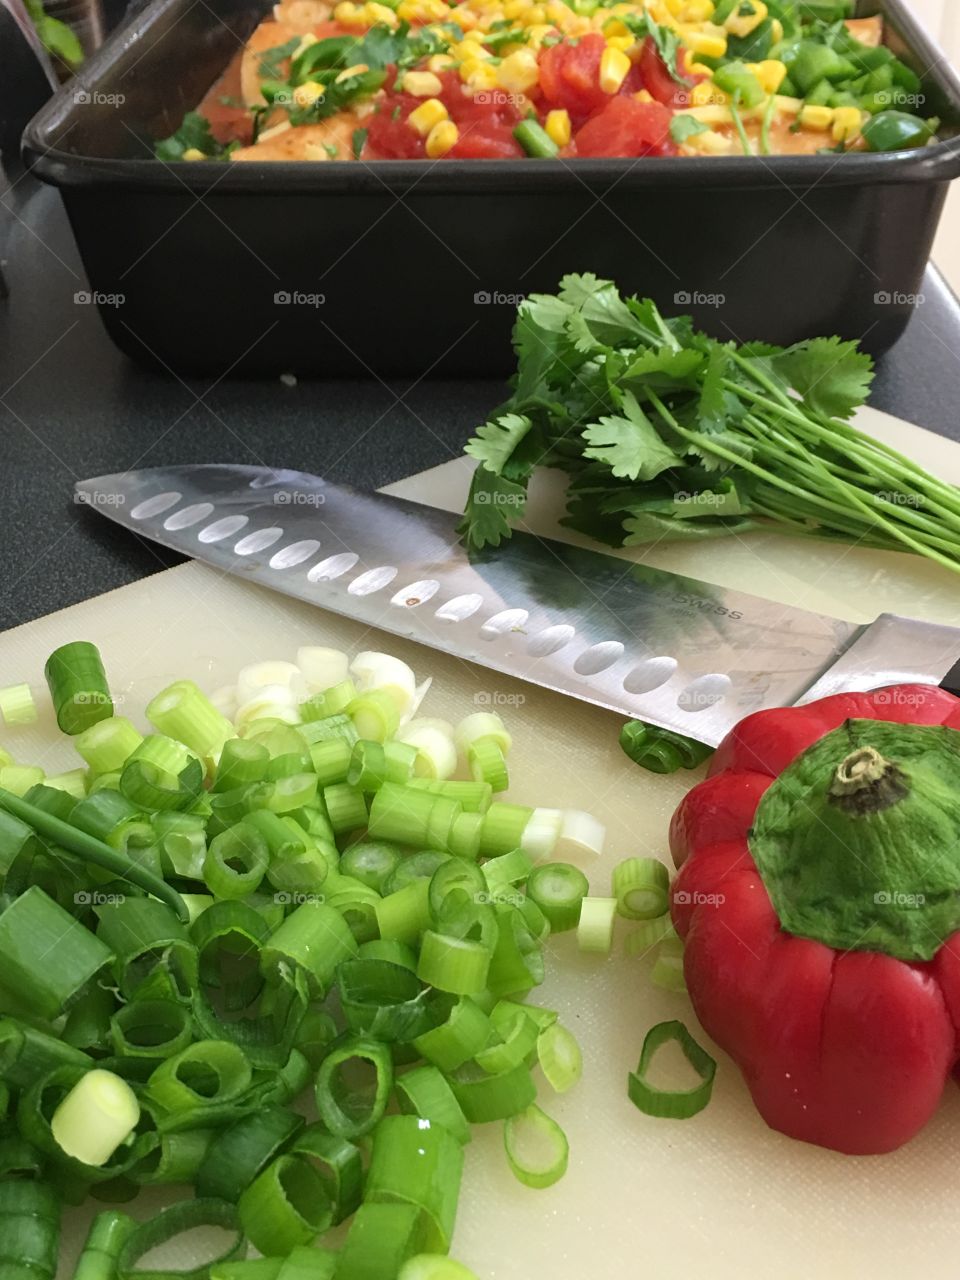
668,433
504,79
281,893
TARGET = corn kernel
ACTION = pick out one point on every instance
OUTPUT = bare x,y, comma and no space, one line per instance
696,11
623,43
423,10
441,138
536,15
614,66
517,8
305,95
469,50
194,153
742,24
518,72
643,95
478,76
473,37
422,84
776,30
557,126
847,122
674,6
715,114
789,106
537,34
427,116
356,70
381,14
305,43
771,73
706,94
711,43
441,62
711,143
699,69
348,14
611,26
816,117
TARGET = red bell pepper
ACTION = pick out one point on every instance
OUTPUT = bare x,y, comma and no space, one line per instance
849,1046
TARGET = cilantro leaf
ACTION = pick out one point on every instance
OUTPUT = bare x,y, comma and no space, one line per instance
494,502
269,63
495,441
683,126
713,405
629,444
647,526
193,134
358,142
832,376
674,366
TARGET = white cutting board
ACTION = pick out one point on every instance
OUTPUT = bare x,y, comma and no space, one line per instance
719,1196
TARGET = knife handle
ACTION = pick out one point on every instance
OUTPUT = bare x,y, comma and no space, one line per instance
951,681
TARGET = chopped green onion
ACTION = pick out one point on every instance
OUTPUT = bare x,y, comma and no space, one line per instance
294,791
339,1164
457,965
641,886
90,849
249,1269
146,939
243,1151
207,1073
17,705
595,930
331,761
72,781
474,797
404,915
541,834
674,1104
242,762
28,1054
488,764
177,1159
537,1148
503,826
78,686
516,1039
456,882
388,949
382,1000
647,934
517,962
236,862
151,1029
484,1098
507,870
581,835
337,728
34,925
434,1266
98,1114
465,836
462,1034
285,1206
371,862
19,778
347,1110
178,1220
425,1092
108,1233
161,774
346,808
29,1230
401,814
316,938
433,742
182,711
558,889
330,702
382,1237
322,667
535,140
667,970
375,715
416,1162
478,726
559,1056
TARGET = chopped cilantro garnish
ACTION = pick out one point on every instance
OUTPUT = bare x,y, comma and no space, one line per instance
358,142
193,135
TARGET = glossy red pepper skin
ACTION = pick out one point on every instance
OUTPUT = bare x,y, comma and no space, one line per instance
848,1050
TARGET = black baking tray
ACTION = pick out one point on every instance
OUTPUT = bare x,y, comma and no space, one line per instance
413,268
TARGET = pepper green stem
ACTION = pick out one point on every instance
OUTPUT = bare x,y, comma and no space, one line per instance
864,782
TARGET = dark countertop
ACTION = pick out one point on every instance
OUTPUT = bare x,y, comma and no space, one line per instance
72,406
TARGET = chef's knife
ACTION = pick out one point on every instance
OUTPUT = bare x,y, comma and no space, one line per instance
652,645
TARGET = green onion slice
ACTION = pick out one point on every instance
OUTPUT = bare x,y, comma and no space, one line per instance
673,1104
17,705
206,1074
425,1092
434,1266
595,930
175,1221
348,1109
78,686
383,1000
241,1152
417,1162
461,1031
558,889
641,887
559,1056
382,1237
339,1163
285,1206
484,1098
537,1148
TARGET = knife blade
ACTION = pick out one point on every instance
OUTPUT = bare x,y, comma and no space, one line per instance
679,653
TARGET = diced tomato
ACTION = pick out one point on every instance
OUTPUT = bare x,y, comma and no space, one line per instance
486,122
570,76
229,123
390,136
658,81
486,141
626,127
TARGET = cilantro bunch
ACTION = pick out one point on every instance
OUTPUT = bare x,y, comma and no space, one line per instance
667,433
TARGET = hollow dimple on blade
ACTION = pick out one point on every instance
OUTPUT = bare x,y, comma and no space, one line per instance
649,644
